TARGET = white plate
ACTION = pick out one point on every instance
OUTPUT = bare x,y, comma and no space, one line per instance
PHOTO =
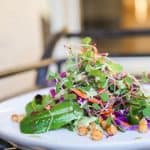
62,139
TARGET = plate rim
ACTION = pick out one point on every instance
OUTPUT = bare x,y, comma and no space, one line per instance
32,142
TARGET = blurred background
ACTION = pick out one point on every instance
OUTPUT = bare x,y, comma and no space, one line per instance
28,26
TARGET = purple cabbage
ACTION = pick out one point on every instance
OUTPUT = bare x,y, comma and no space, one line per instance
131,127
51,83
118,122
81,101
63,74
53,93
61,99
121,115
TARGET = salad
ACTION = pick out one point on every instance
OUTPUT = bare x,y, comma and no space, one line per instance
94,97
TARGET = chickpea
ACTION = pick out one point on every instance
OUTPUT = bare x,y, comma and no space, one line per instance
103,123
96,135
82,130
92,126
111,130
143,127
14,117
17,118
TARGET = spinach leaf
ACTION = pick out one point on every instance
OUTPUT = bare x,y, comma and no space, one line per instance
133,119
146,111
33,106
134,115
59,116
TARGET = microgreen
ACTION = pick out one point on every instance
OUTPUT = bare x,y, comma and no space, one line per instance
104,97
115,67
96,106
109,121
86,40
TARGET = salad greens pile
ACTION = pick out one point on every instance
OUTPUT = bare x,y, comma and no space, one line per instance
93,89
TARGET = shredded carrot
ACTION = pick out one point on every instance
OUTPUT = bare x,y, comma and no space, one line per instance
83,95
125,124
101,90
94,100
107,112
79,93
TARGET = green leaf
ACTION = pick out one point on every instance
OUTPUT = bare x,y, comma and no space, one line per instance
52,75
33,107
108,121
111,88
58,87
120,129
133,119
29,108
87,56
91,92
59,116
86,106
104,97
47,100
96,106
95,73
68,84
115,67
121,91
100,78
98,64
70,97
128,81
138,102
134,115
102,84
146,111
88,68
70,126
121,85
71,65
86,40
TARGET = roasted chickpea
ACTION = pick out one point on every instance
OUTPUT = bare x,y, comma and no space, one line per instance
82,130
111,130
103,123
92,126
17,118
143,127
96,135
